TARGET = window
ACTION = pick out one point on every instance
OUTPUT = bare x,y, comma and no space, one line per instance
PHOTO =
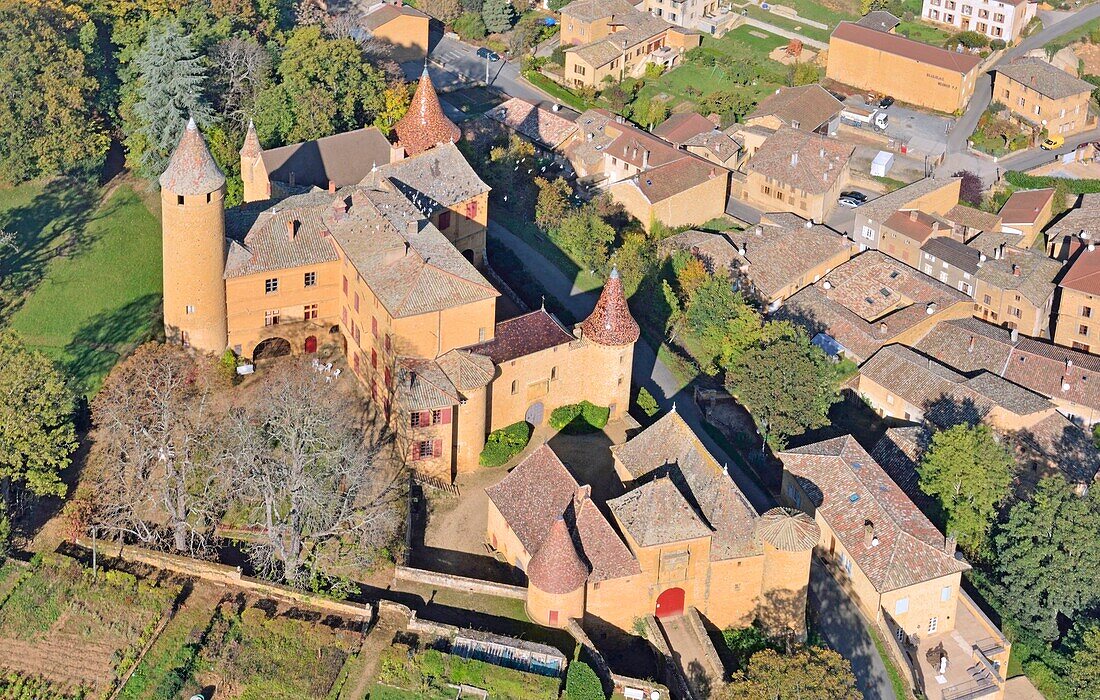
1086,312
868,233
471,209
987,300
345,285
553,373
309,312
513,386
933,624
271,285
445,220
945,594
901,606
373,358
179,199
190,309
414,419
271,318
374,326
437,416
311,279
424,449
1079,346
357,302
1082,329
387,343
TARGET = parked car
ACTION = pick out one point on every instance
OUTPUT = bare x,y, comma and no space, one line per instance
851,202
1053,142
885,102
484,52
856,195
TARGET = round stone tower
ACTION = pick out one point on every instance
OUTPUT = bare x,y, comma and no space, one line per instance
192,202
789,537
425,125
556,578
612,331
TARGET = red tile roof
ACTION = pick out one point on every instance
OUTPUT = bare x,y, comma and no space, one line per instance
191,169
788,530
523,335
906,48
610,323
681,127
556,567
1083,273
425,125
1025,206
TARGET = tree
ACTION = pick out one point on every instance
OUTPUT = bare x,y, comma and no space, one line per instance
170,90
587,236
153,476
37,436
473,6
721,320
969,473
470,26
582,683
808,672
48,120
1048,556
552,202
971,189
656,111
242,69
446,11
499,15
556,5
804,74
786,382
690,278
1084,671
313,486
395,103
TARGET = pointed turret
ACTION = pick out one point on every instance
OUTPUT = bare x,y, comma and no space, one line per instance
425,125
610,323
191,169
556,568
251,148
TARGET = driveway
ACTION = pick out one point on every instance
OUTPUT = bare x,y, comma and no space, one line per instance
844,628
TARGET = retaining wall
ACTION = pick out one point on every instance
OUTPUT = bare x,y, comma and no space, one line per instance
459,583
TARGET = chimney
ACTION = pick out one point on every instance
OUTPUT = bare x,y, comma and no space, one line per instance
821,153
332,186
291,178
931,308
412,227
645,159
794,159
582,494
970,348
981,257
291,229
809,223
949,544
912,214
997,253
759,231
869,539
397,153
883,328
1003,249
1069,363
1014,336
1015,270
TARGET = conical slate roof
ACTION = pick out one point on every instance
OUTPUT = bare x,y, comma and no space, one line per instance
251,147
425,125
192,169
556,568
788,530
610,323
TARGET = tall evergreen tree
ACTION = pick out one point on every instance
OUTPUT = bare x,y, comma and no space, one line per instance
170,89
499,15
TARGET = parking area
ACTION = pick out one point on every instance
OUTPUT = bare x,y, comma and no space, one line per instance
924,133
473,101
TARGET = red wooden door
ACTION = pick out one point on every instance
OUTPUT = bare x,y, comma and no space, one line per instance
670,603
553,618
311,344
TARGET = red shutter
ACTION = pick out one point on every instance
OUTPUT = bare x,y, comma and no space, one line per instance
345,314
373,358
357,301
374,326
415,451
387,343
471,209
446,418
425,418
345,285
437,448
387,377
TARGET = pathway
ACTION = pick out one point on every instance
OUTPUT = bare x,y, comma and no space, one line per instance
690,656
649,371
785,33
380,637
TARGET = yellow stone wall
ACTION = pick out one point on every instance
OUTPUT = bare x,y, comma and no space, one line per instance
407,36
1064,117
567,606
692,207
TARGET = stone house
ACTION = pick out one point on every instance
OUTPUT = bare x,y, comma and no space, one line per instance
933,196
996,19
951,262
404,29
1078,301
904,233
1025,213
1044,97
806,107
1016,287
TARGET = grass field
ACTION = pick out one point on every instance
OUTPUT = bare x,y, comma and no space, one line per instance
927,33
93,278
829,12
430,673
785,22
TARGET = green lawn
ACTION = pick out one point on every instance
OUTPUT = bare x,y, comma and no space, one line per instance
745,35
785,22
563,95
837,11
430,673
100,297
927,33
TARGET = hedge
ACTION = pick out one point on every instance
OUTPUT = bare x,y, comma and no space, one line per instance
582,683
1038,182
505,443
583,417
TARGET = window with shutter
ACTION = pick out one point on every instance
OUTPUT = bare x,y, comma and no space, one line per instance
426,418
373,358
374,326
414,419
345,285
415,451
471,209
446,417
357,301
437,448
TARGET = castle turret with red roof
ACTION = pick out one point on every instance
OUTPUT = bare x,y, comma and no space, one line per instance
611,326
556,578
425,125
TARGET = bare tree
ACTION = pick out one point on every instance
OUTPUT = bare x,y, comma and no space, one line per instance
307,468
243,67
152,477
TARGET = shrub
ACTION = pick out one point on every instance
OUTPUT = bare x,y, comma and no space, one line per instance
997,44
227,365
972,40
505,443
583,417
648,404
1037,182
470,26
582,683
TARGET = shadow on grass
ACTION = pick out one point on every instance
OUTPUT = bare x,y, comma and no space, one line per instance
53,224
98,345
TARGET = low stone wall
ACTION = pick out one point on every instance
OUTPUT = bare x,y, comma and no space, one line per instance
224,575
674,676
695,621
459,583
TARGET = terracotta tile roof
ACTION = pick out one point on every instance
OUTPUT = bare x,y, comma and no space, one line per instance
592,10
434,180
954,253
466,370
682,126
973,218
596,134
1083,272
425,125
718,143
1044,78
523,335
540,125
906,48
343,159
1029,272
191,169
968,345
641,149
385,12
851,490
610,322
799,159
657,513
915,224
538,491
879,20
788,530
804,107
251,147
782,250
1085,216
670,448
261,242
421,385
870,299
883,207
1024,206
682,175
556,567
1059,443
597,53
898,452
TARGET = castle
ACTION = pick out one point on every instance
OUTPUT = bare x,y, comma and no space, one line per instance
386,268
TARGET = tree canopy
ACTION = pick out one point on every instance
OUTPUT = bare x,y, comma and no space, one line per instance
807,672
969,473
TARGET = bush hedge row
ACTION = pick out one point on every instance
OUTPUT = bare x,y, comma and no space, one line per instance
505,443
580,417
1037,182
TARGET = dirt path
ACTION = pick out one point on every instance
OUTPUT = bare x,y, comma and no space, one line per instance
380,637
689,654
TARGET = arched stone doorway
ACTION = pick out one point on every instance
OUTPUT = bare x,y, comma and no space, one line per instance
670,603
271,348
311,344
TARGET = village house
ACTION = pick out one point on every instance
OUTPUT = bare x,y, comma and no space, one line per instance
700,136
1043,96
807,107
898,568
908,70
1025,213
880,20
1077,324
952,262
1015,286
1068,378
1075,229
400,27
904,234
611,40
969,222
796,171
385,268
871,301
933,196
543,128
689,14
996,19
683,536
